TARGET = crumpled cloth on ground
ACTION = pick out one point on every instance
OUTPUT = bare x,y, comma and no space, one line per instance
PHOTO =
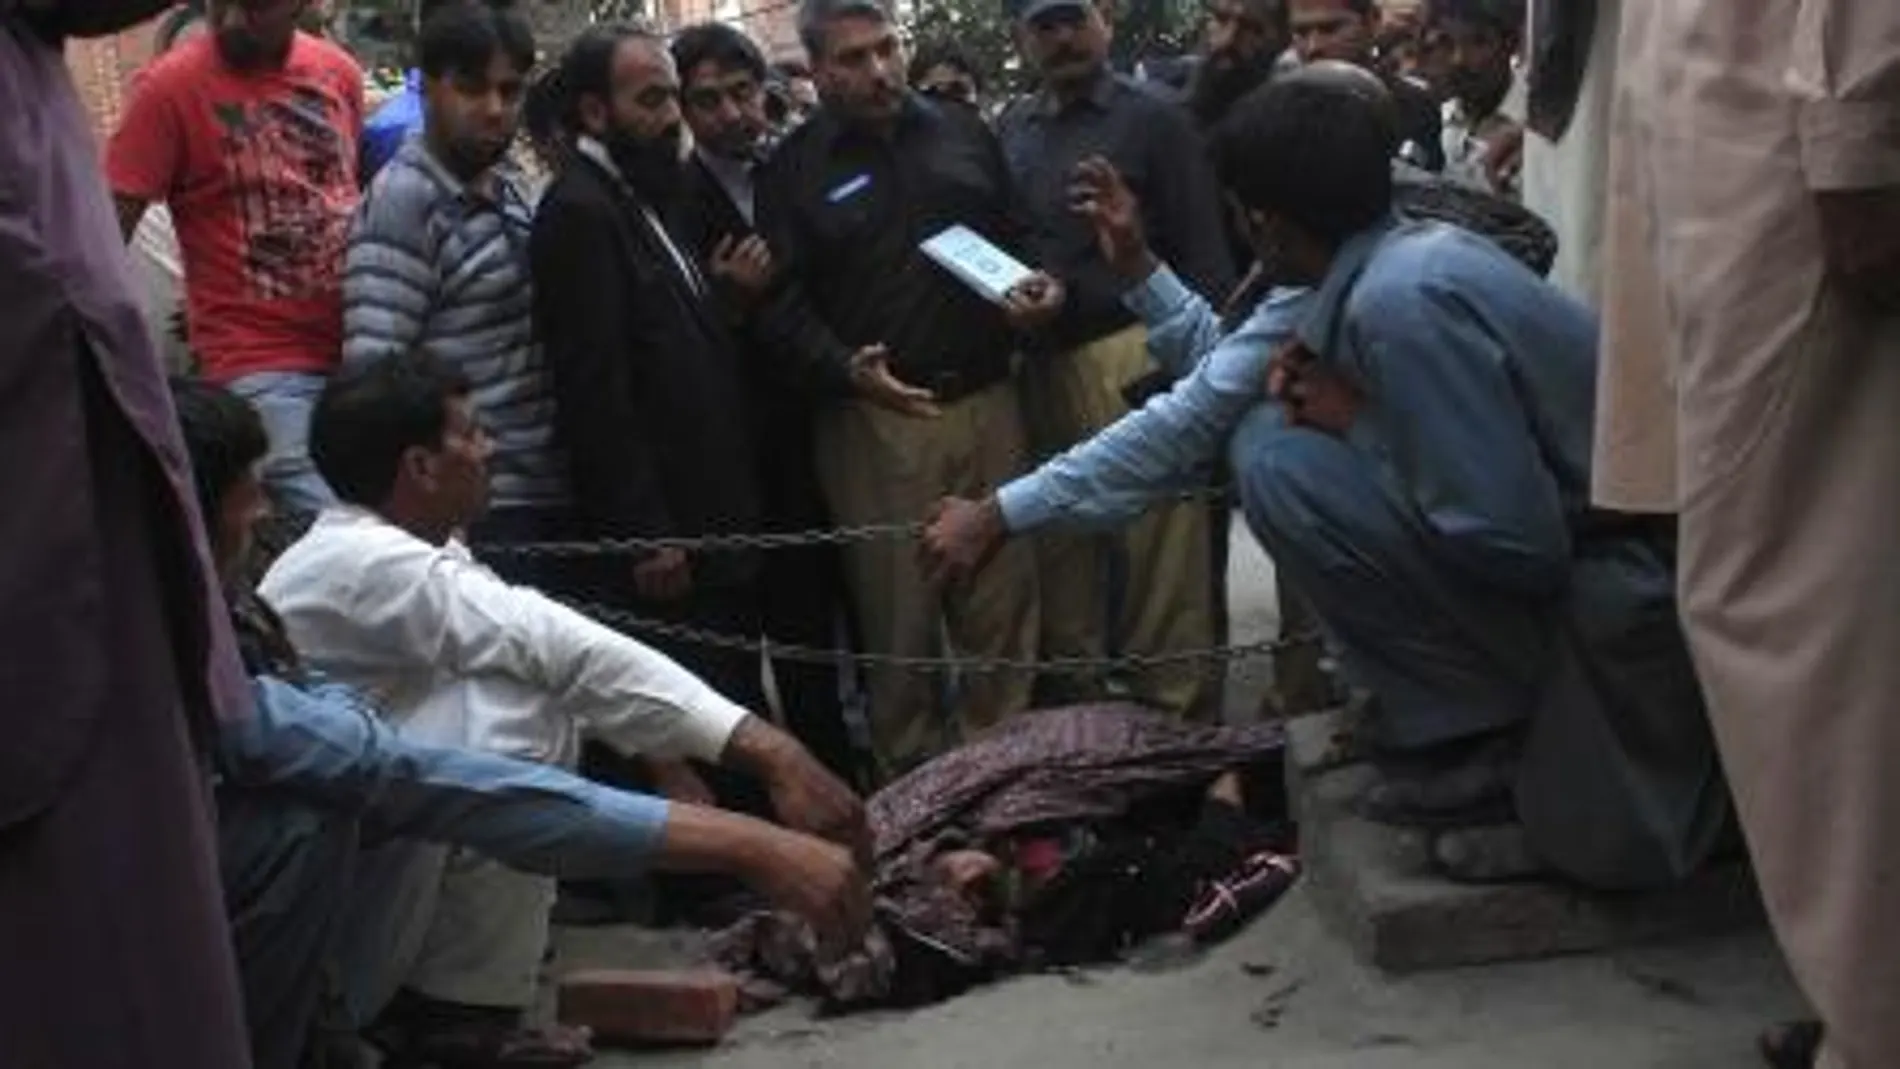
1095,765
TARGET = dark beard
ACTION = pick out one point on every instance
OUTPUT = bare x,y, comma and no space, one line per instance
652,167
1216,86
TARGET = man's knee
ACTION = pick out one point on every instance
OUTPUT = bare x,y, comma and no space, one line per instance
1301,483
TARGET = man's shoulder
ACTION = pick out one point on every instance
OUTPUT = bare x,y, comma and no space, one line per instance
187,67
367,542
1432,262
1146,97
580,188
793,148
327,54
402,197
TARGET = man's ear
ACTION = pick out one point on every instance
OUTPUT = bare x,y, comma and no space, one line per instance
419,465
593,113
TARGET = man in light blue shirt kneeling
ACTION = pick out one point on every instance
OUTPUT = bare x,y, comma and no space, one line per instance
1424,483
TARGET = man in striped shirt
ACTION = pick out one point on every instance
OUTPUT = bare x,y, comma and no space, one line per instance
438,261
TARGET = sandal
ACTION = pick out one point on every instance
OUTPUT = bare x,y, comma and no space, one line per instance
1795,1045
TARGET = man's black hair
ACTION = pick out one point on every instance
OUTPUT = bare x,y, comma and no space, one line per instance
224,438
815,17
724,45
1343,140
933,54
465,36
368,417
1504,16
542,105
587,67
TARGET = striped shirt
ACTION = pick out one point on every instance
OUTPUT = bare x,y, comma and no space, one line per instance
437,265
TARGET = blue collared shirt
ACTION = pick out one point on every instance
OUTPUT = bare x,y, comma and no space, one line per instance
322,745
1162,448
390,125
1480,387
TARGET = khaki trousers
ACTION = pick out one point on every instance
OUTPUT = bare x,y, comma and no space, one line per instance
880,467
1162,558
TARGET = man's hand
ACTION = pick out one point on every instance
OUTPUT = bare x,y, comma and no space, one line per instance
1034,302
806,796
872,378
815,879
1098,193
1860,239
820,882
745,264
1314,393
962,537
1503,159
666,575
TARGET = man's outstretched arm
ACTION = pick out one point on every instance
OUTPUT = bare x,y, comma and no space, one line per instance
325,747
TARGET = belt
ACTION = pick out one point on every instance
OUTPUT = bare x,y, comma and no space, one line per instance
948,386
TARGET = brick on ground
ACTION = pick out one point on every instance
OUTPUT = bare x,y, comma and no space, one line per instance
1375,889
650,1007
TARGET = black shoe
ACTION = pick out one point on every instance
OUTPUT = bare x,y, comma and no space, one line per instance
1796,1045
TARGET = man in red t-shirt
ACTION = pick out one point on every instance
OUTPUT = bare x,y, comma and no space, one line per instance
249,135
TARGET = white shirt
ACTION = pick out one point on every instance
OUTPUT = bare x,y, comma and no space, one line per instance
455,656
735,177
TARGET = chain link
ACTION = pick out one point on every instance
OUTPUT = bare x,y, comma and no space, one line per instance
828,536
622,619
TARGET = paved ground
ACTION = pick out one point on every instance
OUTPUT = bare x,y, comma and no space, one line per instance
1282,995
1285,995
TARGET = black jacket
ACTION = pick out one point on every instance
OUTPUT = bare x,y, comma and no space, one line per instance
845,211
648,389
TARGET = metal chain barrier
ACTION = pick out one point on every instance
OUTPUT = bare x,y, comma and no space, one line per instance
830,536
629,621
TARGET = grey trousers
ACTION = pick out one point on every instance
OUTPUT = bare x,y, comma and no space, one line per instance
1618,785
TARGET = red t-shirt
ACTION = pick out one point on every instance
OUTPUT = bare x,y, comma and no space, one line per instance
259,170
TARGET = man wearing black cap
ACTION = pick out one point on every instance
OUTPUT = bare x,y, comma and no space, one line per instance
917,365
1073,380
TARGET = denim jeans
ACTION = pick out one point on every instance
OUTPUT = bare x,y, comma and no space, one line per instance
284,401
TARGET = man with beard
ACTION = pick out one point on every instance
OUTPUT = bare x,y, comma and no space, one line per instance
438,261
649,391
1146,591
1480,36
1242,43
723,75
249,134
1347,31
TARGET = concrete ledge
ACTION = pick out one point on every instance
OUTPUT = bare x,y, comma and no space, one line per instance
1374,887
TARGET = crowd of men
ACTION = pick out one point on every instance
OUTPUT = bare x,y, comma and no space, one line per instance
713,317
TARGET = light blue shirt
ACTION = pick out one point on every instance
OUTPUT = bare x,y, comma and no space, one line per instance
1164,447
322,745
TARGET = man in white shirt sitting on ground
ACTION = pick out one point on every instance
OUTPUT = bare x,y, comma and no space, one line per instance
380,594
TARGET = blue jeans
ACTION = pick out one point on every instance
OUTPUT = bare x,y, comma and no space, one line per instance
284,400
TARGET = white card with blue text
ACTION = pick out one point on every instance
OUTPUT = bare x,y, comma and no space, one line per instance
980,265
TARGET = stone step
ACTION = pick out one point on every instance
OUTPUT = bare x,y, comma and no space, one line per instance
1374,886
